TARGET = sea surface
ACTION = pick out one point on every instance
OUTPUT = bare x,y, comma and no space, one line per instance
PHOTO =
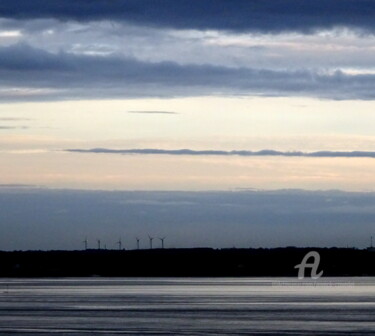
187,306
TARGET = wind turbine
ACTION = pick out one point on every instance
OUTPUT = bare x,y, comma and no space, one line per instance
137,239
151,238
162,242
86,243
119,243
98,240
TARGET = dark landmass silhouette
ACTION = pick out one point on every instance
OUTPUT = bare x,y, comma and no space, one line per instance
193,262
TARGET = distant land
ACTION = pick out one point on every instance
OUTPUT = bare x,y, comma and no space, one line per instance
194,262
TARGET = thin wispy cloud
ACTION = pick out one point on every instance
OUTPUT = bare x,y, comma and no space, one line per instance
13,127
245,153
18,185
14,119
152,112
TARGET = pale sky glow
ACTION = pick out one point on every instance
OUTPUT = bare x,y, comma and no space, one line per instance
33,155
105,171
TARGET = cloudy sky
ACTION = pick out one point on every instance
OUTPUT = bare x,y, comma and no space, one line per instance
187,95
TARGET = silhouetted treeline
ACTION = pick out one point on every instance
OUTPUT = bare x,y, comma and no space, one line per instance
183,262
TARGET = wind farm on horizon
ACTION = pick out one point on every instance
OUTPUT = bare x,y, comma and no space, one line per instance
120,244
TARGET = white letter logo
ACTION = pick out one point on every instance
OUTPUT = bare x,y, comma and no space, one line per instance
314,266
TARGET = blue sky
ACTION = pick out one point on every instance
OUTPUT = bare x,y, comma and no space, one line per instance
138,79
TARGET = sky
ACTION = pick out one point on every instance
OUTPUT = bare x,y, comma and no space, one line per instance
192,96
49,219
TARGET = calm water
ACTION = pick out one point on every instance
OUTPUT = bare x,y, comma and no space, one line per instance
100,306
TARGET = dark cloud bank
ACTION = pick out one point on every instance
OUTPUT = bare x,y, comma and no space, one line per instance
266,152
70,76
61,219
236,15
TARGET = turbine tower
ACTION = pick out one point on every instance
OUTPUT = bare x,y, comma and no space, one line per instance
137,239
98,240
151,238
119,243
162,242
86,243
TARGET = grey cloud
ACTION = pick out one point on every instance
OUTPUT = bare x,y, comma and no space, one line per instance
266,152
52,76
239,15
157,45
